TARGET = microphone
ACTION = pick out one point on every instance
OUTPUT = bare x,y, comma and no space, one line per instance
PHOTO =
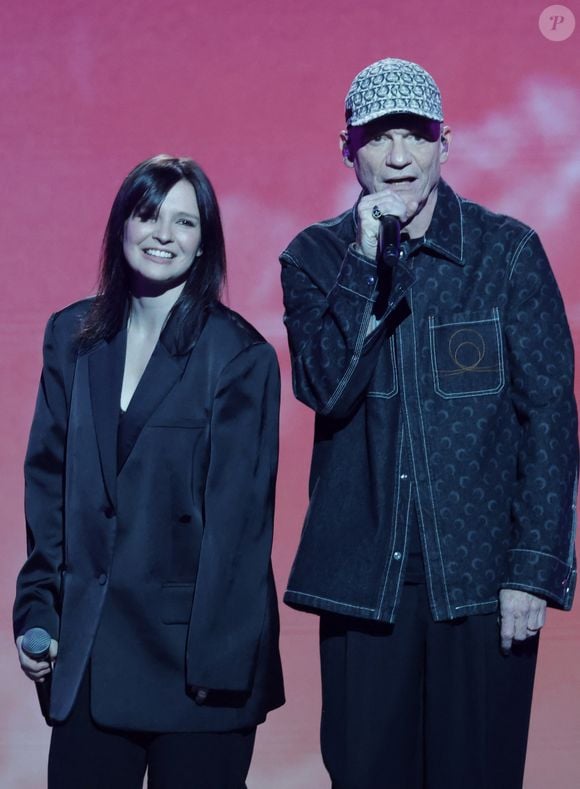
389,239
36,645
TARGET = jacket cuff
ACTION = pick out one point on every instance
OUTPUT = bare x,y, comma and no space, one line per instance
358,274
47,620
541,574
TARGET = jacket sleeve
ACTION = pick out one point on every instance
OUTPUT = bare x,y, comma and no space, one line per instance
541,359
38,583
229,605
333,335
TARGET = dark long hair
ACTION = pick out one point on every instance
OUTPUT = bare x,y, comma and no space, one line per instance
142,193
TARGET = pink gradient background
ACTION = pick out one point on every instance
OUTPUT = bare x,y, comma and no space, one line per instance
254,91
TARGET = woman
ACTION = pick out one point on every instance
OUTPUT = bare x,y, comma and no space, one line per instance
150,478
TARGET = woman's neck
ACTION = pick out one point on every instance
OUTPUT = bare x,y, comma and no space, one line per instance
149,312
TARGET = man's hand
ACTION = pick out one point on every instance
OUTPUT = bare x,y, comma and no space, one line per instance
36,670
387,203
522,615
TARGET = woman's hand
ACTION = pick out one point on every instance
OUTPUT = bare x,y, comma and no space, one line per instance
36,670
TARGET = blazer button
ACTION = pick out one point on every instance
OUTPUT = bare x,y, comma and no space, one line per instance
397,556
109,512
102,579
185,518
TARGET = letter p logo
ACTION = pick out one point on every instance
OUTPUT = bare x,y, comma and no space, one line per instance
557,23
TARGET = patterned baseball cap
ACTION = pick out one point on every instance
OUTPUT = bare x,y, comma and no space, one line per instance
390,86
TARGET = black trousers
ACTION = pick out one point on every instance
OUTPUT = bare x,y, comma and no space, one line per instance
423,704
86,756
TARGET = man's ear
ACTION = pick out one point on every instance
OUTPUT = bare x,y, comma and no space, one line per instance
345,149
445,143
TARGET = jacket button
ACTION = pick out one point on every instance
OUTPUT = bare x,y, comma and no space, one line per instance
397,556
185,518
370,280
109,512
102,579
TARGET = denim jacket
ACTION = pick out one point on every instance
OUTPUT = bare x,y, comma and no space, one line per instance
465,384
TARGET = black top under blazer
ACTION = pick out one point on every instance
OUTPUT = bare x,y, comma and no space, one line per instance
156,570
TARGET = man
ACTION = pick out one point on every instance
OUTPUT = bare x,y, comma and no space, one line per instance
441,517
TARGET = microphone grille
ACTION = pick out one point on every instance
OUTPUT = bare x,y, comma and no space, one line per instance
36,642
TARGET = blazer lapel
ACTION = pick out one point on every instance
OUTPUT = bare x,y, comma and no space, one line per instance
163,371
106,364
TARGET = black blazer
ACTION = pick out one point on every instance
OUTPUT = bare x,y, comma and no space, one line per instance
149,551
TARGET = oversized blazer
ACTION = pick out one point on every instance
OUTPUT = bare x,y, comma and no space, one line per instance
149,546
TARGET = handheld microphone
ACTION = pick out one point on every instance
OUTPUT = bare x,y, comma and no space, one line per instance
389,239
36,645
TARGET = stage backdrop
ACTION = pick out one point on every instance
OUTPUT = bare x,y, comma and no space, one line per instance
254,91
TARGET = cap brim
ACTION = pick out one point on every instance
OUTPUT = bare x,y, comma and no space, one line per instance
373,116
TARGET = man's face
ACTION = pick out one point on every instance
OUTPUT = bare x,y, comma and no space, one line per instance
401,153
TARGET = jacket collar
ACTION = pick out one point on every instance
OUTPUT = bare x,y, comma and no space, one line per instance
162,373
106,364
445,233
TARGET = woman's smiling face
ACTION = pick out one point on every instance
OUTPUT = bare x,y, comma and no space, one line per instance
162,248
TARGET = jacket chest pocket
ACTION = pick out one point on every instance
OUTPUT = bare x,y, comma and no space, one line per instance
467,354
